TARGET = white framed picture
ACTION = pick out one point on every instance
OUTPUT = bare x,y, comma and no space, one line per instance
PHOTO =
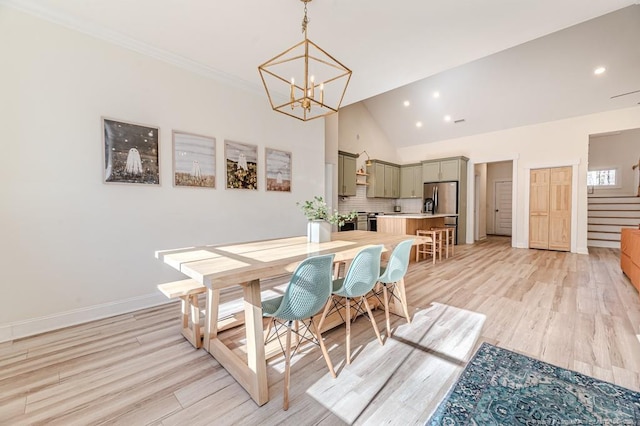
194,160
278,170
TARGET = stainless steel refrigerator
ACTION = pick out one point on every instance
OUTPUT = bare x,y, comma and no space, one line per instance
442,198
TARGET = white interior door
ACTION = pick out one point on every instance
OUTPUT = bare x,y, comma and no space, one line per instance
503,211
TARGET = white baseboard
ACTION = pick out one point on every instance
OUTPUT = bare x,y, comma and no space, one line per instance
39,325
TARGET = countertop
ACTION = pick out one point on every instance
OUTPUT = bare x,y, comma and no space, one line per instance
415,216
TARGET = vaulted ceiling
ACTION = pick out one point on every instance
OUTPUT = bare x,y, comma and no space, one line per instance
495,63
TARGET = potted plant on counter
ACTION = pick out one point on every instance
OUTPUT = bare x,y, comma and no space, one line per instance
320,220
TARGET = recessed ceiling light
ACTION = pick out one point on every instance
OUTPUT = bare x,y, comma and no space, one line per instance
599,70
407,103
447,118
419,124
436,94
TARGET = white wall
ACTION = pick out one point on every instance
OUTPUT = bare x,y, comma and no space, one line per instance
620,151
74,248
496,172
563,142
358,131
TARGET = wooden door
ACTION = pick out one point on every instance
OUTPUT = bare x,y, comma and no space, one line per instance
503,208
539,209
560,208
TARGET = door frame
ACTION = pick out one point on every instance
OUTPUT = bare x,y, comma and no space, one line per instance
575,164
514,196
476,207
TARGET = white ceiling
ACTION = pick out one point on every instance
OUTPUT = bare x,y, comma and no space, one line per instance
391,44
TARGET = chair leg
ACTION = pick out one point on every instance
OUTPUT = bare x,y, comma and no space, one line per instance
296,336
453,242
325,354
446,244
287,369
325,313
373,320
348,323
385,295
433,250
402,294
272,322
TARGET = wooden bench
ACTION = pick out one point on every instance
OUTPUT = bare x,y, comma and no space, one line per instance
188,291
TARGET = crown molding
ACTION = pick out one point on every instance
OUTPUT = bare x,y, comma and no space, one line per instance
39,10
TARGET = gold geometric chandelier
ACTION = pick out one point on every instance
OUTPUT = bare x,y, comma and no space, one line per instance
304,81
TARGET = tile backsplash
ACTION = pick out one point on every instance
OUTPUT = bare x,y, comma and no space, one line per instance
361,203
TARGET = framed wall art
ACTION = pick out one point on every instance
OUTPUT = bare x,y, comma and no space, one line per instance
194,160
130,152
278,170
242,165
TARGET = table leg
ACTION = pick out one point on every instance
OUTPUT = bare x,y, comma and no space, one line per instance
252,374
211,318
256,359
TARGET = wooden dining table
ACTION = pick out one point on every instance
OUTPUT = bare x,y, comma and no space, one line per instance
245,264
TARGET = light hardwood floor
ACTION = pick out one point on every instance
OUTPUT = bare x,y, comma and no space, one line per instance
574,311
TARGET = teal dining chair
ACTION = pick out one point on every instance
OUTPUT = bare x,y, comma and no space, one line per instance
392,280
350,292
306,294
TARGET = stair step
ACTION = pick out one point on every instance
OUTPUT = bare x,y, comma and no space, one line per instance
601,243
614,213
616,207
630,222
606,228
614,200
610,236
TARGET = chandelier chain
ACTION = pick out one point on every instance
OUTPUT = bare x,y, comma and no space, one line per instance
305,20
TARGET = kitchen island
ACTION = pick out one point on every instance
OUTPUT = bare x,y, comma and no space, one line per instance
409,223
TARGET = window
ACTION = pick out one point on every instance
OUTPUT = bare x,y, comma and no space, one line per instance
603,178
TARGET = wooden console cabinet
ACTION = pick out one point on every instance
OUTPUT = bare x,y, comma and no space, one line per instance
630,255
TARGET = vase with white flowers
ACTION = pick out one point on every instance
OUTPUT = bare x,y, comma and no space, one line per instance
320,219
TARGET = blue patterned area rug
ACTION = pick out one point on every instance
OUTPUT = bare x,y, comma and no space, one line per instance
500,387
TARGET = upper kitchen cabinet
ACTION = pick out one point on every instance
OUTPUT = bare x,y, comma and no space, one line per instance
346,174
383,180
444,169
411,181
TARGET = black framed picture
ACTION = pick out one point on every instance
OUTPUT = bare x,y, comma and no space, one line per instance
130,152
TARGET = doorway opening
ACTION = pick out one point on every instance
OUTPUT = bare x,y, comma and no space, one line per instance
493,209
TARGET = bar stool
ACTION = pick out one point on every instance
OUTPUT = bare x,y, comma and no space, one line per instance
449,237
430,244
